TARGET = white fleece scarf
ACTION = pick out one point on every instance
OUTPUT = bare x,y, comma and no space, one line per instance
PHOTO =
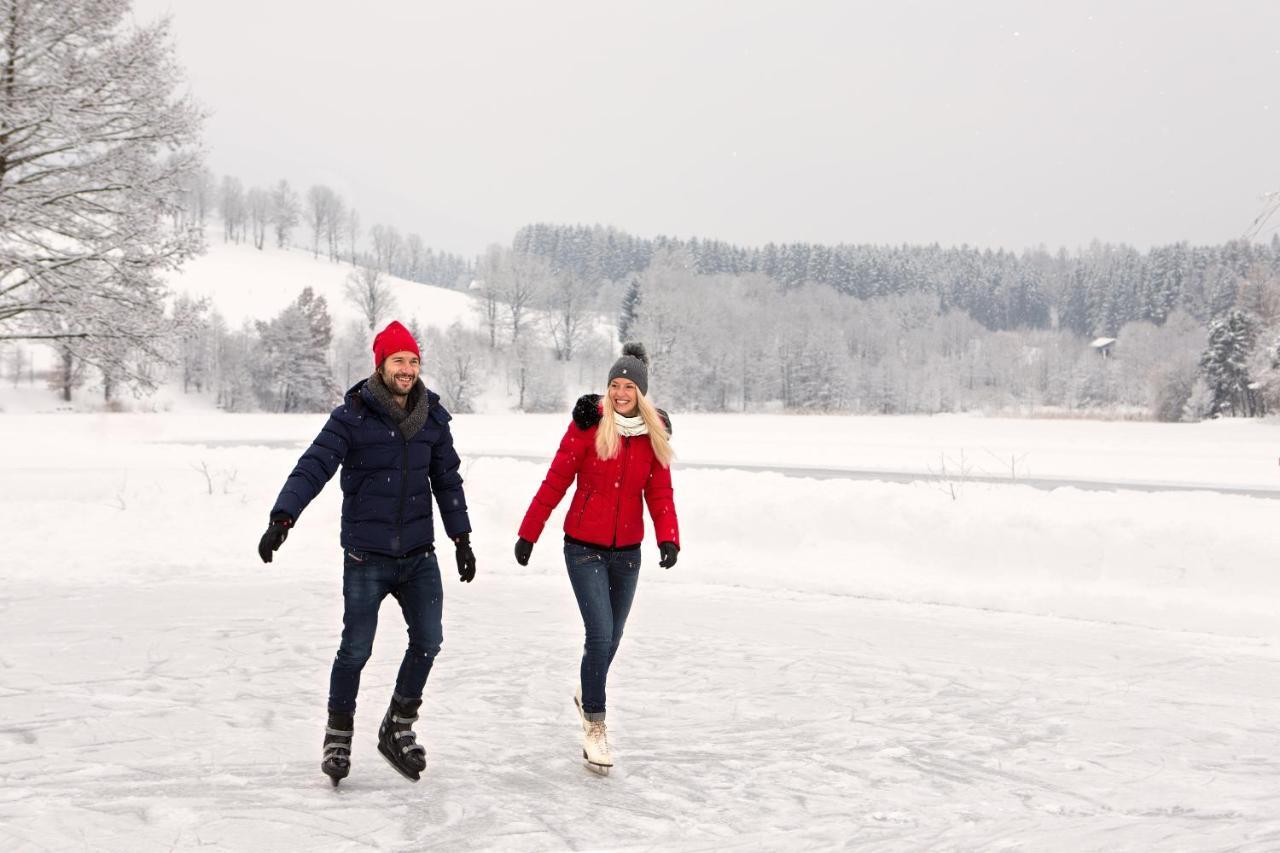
630,426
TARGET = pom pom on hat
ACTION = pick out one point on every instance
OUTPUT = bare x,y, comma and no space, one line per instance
636,349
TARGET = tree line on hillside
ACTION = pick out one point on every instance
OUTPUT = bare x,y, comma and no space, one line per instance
298,361
1216,308
1093,291
324,223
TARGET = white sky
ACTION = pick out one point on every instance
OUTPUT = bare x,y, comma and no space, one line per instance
986,123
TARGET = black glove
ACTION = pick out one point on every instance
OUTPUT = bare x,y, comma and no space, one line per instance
277,532
523,549
466,558
669,551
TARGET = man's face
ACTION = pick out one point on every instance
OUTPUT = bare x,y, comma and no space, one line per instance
400,372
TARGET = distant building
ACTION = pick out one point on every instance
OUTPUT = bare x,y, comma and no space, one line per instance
1103,346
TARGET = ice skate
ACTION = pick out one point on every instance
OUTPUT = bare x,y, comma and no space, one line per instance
396,739
336,762
595,747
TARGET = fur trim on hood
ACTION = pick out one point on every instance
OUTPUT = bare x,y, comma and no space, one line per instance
586,413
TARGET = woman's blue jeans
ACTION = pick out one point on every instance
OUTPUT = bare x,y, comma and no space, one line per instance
366,580
605,584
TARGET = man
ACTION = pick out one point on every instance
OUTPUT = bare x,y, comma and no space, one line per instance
391,437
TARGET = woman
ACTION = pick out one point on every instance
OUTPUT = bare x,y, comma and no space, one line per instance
618,448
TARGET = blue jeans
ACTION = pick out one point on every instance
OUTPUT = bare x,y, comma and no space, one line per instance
605,584
366,580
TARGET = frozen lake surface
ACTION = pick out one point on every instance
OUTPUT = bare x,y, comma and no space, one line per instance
943,665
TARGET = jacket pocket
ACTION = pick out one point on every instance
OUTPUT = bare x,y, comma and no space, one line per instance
582,507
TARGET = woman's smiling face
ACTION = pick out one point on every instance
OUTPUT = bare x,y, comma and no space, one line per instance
624,395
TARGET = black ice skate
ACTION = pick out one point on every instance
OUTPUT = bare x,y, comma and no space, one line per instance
336,763
396,738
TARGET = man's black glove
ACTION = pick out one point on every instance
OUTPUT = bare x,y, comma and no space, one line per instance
466,558
669,551
277,532
523,549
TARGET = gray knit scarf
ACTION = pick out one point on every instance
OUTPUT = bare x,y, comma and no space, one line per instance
413,416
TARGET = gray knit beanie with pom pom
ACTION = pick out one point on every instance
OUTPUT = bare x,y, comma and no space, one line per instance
633,365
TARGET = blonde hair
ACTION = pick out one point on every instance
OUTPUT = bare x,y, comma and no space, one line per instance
607,442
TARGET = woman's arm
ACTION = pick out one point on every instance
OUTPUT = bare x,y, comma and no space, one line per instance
564,468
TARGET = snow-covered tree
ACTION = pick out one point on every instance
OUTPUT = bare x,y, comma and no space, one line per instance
456,363
351,229
233,208
293,371
334,225
353,357
285,212
388,248
536,376
193,343
1225,364
199,194
518,281
236,355
566,304
322,202
367,289
97,153
488,298
258,204
629,311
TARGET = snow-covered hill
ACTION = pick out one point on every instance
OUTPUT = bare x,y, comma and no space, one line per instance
244,283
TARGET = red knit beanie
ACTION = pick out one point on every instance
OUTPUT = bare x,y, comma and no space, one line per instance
391,340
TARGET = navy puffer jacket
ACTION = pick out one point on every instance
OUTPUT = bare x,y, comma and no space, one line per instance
387,482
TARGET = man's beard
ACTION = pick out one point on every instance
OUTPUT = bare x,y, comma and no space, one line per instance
389,380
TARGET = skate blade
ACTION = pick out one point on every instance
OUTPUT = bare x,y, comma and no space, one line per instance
336,776
598,769
397,767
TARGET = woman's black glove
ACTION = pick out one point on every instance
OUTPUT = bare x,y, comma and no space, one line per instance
277,532
669,551
466,558
523,549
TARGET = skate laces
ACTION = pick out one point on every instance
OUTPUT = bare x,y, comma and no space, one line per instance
596,731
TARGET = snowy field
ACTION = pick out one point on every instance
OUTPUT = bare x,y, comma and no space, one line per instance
834,663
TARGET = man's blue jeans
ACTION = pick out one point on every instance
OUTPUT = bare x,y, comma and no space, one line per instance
366,580
605,584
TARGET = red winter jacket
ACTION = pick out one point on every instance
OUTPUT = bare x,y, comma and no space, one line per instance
606,508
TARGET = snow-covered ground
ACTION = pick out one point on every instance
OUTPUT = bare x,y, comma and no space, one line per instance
941,665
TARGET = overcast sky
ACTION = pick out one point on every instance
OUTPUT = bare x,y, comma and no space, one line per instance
990,123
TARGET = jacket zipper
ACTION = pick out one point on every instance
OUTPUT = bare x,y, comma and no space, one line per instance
617,513
582,510
404,479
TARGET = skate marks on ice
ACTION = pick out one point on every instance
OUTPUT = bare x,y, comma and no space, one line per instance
767,721
191,714
170,717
